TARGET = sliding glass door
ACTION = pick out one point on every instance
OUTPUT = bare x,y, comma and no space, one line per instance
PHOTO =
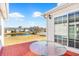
73,30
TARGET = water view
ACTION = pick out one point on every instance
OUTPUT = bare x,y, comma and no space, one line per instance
25,28
30,29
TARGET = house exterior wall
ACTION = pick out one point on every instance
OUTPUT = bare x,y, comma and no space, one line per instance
59,29
67,9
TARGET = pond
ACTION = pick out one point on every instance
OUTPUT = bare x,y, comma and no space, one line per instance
23,34
17,35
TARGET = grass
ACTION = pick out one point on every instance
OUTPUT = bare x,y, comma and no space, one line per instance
21,39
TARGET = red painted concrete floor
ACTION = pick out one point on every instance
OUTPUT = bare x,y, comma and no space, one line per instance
69,53
17,50
23,50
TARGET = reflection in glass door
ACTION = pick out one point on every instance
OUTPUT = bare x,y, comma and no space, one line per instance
65,30
77,37
71,29
71,35
77,30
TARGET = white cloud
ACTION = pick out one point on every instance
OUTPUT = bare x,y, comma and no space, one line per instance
16,15
37,14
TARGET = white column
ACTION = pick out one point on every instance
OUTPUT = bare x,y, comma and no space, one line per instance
50,35
2,32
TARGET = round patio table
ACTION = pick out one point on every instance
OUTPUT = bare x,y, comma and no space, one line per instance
41,48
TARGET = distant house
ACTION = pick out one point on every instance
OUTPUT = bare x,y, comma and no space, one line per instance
15,30
42,33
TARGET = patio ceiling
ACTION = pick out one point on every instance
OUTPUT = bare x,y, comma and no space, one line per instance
4,10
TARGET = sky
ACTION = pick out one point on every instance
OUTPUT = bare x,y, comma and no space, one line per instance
28,14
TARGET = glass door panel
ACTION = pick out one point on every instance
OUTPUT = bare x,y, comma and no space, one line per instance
77,36
71,34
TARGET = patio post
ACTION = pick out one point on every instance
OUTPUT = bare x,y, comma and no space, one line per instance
2,32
